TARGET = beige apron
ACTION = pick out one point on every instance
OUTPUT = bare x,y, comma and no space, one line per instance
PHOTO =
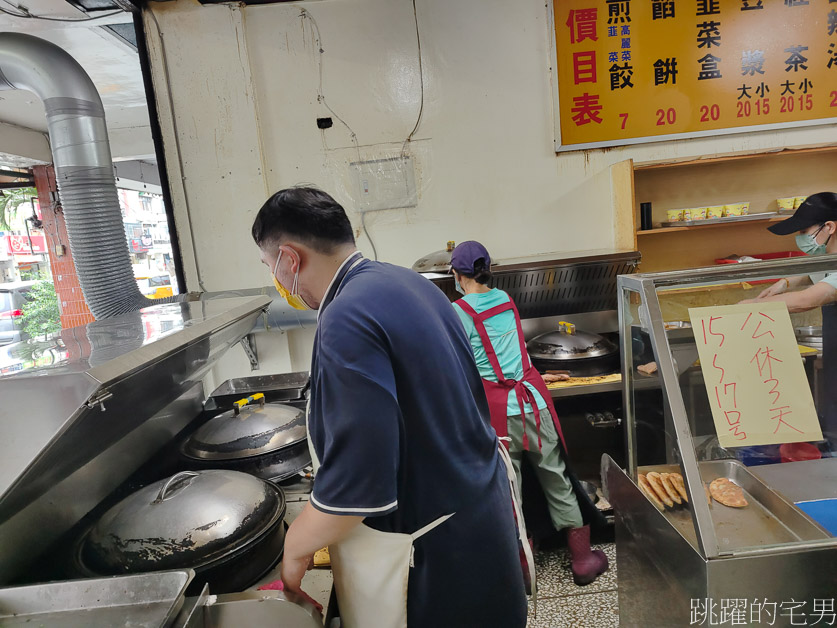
371,570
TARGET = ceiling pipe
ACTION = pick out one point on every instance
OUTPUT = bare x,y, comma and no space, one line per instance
86,184
83,170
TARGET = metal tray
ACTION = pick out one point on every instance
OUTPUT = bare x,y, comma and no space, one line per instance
148,600
717,221
281,387
265,609
769,519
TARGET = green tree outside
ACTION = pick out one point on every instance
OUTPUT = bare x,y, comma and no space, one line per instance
10,204
41,314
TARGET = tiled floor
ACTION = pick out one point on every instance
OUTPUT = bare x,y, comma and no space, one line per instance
562,604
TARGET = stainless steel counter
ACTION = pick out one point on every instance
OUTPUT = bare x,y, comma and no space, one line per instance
801,481
644,383
70,433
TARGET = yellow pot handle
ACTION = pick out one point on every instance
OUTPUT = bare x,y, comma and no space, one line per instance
238,405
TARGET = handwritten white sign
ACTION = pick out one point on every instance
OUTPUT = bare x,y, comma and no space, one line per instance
754,375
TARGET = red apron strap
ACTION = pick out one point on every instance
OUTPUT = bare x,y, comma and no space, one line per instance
532,377
522,393
522,390
483,334
524,354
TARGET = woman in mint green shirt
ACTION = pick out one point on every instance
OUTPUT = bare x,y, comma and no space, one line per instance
521,408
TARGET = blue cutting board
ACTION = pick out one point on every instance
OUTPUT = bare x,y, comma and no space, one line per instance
823,511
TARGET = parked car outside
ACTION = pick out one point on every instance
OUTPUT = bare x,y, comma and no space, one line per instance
155,286
12,301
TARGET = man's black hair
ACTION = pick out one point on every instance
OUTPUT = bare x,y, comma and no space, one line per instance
305,214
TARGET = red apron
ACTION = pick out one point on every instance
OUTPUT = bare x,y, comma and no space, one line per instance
497,392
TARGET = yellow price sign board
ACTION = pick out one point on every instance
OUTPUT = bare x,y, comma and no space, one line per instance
754,377
632,71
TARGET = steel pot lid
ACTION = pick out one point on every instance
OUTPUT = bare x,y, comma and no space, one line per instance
437,261
186,520
567,343
252,431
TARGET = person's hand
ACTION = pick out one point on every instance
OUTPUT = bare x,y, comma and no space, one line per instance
293,571
777,288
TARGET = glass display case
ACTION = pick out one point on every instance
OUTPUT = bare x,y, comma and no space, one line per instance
727,506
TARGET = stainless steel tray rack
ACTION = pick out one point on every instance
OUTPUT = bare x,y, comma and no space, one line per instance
150,600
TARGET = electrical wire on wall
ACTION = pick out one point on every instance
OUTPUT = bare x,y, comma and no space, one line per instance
421,83
322,99
315,30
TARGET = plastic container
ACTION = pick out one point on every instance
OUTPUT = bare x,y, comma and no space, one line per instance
786,204
715,211
696,213
795,452
758,454
675,215
798,201
737,209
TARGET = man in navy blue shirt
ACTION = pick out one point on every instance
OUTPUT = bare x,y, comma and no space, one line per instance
410,493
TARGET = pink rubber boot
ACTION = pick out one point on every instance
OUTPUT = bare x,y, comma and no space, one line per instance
587,564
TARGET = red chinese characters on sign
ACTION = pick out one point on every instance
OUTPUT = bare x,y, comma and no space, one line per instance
725,390
584,67
754,377
586,109
763,361
582,24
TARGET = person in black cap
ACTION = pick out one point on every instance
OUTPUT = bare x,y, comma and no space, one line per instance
815,223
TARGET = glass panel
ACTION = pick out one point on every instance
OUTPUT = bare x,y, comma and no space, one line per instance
653,447
769,519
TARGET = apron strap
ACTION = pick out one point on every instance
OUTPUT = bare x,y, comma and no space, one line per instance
483,334
421,532
524,354
522,392
525,394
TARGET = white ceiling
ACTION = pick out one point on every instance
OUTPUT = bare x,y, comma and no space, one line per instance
111,63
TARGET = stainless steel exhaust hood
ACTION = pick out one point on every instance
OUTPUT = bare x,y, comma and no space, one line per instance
72,432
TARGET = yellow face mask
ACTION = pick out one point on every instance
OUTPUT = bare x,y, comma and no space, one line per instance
293,297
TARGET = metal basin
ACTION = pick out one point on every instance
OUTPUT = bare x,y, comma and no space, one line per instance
144,601
265,609
768,520
281,387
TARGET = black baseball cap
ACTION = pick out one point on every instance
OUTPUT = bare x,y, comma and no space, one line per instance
815,210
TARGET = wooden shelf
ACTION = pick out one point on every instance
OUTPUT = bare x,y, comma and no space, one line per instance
772,152
759,177
716,225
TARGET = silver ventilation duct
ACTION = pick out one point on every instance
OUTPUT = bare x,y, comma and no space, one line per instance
86,185
83,170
